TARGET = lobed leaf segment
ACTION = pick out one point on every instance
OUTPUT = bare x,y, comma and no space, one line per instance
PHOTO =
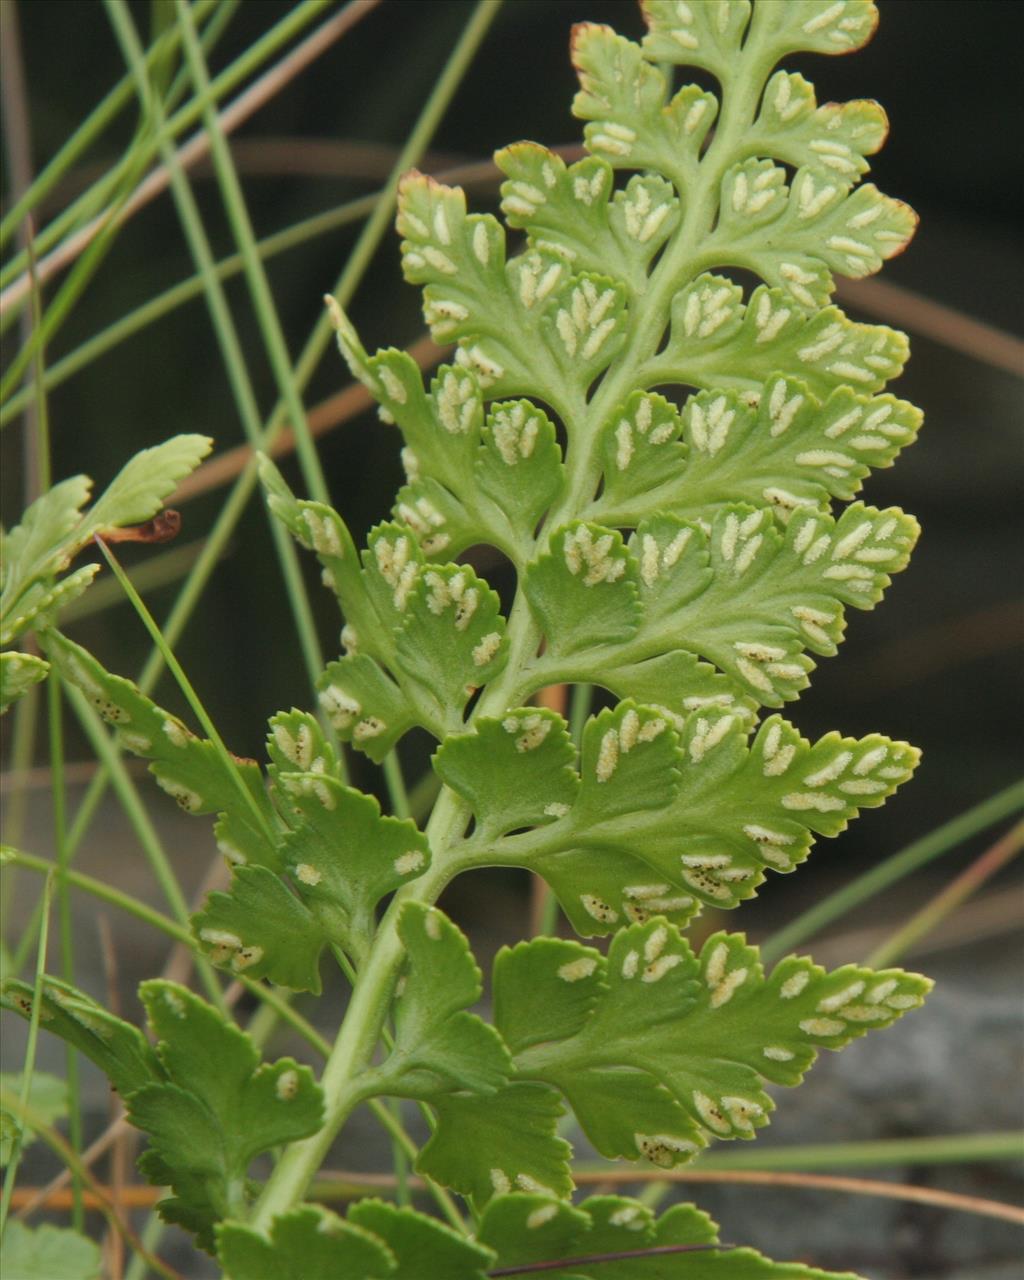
661,454
54,530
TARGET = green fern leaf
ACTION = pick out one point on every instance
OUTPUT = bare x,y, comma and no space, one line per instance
263,930
519,465
584,590
657,1052
515,772
308,1243
697,35
439,1047
419,1243
53,530
18,673
452,640
36,547
340,857
364,705
735,812
525,1230
788,450
41,600
48,1253
819,26
119,1049
188,768
631,122
573,212
138,490
491,1143
745,595
655,448
218,1108
719,341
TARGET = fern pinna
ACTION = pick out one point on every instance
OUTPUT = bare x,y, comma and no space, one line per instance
670,461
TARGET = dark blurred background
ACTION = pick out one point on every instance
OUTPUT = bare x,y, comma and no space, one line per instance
938,663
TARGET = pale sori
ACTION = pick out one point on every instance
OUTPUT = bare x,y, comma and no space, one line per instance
669,461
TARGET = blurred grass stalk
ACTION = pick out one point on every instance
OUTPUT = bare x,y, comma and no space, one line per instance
156,132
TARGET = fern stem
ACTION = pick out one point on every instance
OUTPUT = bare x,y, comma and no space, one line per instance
360,1031
367,1010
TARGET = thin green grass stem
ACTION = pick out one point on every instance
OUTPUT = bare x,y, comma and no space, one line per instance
293,22
969,1148
19,956
103,891
932,914
185,685
58,801
55,724
96,122
245,239
150,1235
187,290
148,575
221,319
422,794
279,1003
241,491
395,782
48,1134
948,1149
11,1174
1002,805
41,443
263,1023
37,445
145,833
23,746
83,820
399,1158
80,275
653,1194
93,202
547,923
